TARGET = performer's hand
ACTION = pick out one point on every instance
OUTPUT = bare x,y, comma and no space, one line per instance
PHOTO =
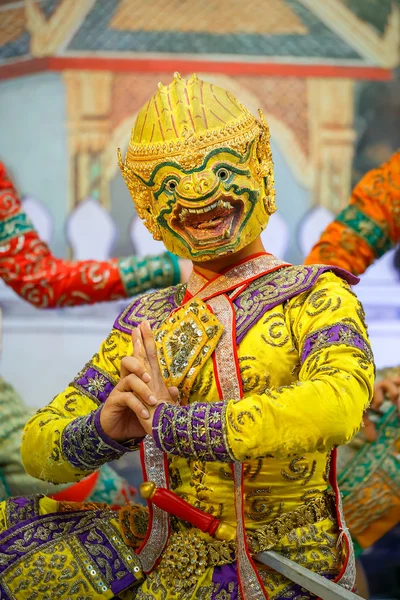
386,389
131,396
145,350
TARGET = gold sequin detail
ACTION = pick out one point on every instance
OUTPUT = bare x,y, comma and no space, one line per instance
185,342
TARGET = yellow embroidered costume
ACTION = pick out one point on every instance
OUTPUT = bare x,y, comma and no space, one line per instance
274,368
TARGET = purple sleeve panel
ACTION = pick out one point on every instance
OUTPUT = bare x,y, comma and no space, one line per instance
95,383
194,431
335,335
86,447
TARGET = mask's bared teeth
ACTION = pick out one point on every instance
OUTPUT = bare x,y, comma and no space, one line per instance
183,213
226,233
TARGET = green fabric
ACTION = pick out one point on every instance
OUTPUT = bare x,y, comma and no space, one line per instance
15,226
14,481
366,228
108,487
175,265
358,550
13,416
369,480
141,274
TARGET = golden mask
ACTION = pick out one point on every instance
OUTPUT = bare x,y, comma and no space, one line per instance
199,169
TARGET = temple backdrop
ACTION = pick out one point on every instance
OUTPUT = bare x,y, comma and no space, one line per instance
74,73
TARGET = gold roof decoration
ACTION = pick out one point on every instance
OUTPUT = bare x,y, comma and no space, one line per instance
182,123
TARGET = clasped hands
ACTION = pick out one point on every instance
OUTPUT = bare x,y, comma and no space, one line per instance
129,410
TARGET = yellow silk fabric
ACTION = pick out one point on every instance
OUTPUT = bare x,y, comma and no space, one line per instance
291,416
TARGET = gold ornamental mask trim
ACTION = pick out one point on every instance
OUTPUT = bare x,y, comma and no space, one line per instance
180,137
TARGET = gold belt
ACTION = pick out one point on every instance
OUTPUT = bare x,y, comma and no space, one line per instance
268,536
188,555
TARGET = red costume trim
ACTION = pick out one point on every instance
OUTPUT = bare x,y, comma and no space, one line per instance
78,492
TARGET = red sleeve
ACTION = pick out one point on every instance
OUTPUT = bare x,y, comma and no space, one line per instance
29,268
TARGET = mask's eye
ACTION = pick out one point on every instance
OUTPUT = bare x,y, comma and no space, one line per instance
171,185
223,174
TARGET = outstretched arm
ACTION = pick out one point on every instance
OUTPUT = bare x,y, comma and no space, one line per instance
29,268
368,227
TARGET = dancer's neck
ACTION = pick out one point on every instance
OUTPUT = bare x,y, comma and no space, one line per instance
211,268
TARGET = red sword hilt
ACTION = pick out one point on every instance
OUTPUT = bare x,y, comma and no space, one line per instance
174,505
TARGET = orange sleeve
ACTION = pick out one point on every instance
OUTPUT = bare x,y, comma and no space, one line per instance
368,227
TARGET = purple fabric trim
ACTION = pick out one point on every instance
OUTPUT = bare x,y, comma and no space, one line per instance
3,594
97,384
336,334
225,580
20,508
85,445
87,528
154,307
109,441
107,559
196,430
16,541
270,291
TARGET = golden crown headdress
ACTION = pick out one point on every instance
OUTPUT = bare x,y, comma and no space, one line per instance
182,122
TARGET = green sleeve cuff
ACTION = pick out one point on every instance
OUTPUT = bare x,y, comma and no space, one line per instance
151,272
366,228
175,266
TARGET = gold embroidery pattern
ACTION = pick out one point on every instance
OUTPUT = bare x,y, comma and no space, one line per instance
312,512
325,558
277,330
235,276
16,511
199,383
260,508
298,472
319,301
196,282
187,557
251,379
133,520
52,575
155,585
155,307
83,446
197,430
185,342
38,550
271,290
95,383
337,334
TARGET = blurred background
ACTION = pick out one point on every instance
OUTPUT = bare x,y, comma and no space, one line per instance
73,75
